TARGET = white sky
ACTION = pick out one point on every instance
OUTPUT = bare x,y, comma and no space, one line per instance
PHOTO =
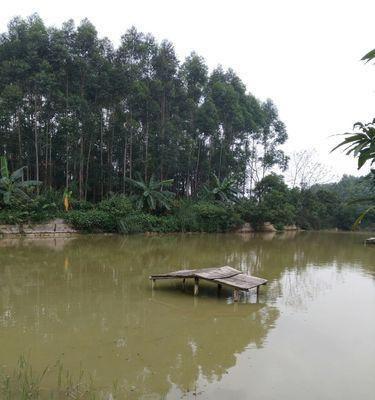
302,54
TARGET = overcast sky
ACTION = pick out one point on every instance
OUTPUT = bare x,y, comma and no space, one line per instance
302,54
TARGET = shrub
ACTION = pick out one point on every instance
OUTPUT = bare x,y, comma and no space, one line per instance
213,217
92,221
186,217
36,210
139,222
117,205
80,205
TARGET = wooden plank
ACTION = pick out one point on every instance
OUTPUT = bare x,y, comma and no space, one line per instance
221,275
183,273
242,281
217,273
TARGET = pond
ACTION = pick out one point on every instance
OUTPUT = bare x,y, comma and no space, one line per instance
87,302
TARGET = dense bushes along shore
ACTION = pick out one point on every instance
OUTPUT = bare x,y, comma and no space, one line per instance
320,207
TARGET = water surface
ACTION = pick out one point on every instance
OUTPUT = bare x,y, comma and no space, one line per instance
87,301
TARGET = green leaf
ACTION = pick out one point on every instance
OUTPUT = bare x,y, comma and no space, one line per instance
369,56
360,218
26,184
17,174
4,167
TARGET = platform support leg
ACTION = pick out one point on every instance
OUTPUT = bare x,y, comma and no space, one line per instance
235,295
219,289
196,286
152,284
183,284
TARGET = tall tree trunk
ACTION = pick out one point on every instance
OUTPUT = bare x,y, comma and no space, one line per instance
124,166
162,133
19,139
46,157
110,157
101,157
146,149
197,166
87,168
36,143
67,161
50,163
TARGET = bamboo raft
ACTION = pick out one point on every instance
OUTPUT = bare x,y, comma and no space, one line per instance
222,276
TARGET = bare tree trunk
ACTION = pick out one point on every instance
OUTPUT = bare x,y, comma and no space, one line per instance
124,167
146,149
87,168
131,153
81,159
221,157
67,161
46,157
36,144
50,162
110,158
19,139
162,134
101,157
197,166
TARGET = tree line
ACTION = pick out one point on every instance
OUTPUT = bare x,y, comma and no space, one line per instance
83,115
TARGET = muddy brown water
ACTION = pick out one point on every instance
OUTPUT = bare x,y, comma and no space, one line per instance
87,302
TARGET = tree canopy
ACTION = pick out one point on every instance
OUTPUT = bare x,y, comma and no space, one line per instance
84,115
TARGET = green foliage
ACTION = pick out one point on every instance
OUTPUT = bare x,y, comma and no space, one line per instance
362,144
80,205
139,222
27,383
35,210
151,195
369,56
224,190
92,221
117,205
186,217
214,217
86,115
12,185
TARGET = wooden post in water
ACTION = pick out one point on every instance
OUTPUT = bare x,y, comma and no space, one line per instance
235,295
196,286
183,284
153,283
219,289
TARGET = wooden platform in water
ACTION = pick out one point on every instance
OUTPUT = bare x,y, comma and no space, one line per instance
222,276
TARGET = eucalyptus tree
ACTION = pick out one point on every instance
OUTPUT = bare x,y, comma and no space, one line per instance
85,116
193,75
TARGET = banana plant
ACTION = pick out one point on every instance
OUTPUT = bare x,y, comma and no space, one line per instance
12,185
224,190
150,195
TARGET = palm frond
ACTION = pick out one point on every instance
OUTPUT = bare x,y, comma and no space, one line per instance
360,218
369,56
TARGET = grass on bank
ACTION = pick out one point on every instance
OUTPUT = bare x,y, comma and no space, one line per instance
24,383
